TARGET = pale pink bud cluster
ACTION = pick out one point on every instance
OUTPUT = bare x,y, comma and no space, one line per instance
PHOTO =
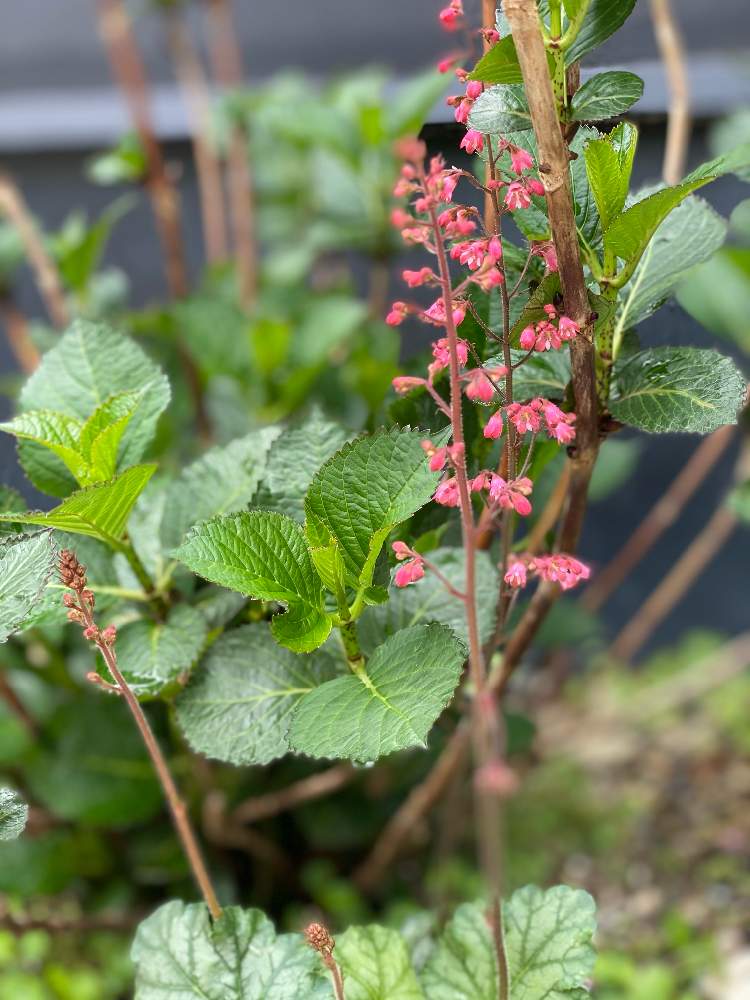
451,16
479,387
519,193
512,495
559,568
532,416
550,333
411,568
546,250
475,253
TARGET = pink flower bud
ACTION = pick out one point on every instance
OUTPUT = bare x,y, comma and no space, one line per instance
405,383
408,573
438,459
473,89
534,186
527,338
494,426
399,311
473,141
447,493
520,160
401,550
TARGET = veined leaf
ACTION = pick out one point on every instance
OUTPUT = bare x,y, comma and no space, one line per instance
544,375
666,389
376,965
54,431
499,64
264,555
239,701
609,162
500,110
180,954
363,492
393,705
606,95
152,655
734,161
463,965
100,511
101,434
27,563
90,364
13,814
602,19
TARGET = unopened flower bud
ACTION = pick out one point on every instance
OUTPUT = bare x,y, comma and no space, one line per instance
319,938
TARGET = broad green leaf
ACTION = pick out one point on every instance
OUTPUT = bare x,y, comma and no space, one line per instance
463,965
629,234
328,322
609,162
601,20
240,698
11,502
27,563
500,64
391,706
265,555
100,511
606,95
548,942
688,236
90,364
153,655
294,459
13,814
330,566
544,375
572,7
222,481
54,431
429,601
180,954
95,769
717,294
500,110
584,202
363,492
666,389
101,434
376,965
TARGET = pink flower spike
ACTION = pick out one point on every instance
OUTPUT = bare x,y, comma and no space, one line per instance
513,495
445,64
527,339
401,550
415,278
480,482
520,160
447,493
450,17
473,141
494,426
517,196
405,383
408,572
397,315
473,89
515,575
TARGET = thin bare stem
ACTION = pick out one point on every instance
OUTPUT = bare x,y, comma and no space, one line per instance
13,205
672,49
196,90
17,335
16,706
305,790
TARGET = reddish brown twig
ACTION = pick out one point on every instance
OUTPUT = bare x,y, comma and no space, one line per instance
195,88
673,55
80,606
48,280
305,790
17,335
16,706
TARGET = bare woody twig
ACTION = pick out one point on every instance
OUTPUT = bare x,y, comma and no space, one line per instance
13,205
17,334
673,56
305,790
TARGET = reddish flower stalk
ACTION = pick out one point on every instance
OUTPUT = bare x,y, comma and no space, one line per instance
80,605
321,941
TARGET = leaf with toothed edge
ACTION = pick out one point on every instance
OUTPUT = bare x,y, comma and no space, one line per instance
376,965
27,563
13,814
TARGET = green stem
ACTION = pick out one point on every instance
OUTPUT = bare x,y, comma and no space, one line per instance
350,642
574,26
604,349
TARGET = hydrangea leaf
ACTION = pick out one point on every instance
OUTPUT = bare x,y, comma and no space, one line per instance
548,942
608,160
665,389
363,492
391,705
376,965
295,457
101,434
463,965
180,954
499,110
90,364
27,563
222,481
57,432
153,655
602,19
100,511
544,375
265,555
240,698
13,814
429,601
606,95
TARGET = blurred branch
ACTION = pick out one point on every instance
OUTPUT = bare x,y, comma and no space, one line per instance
673,55
12,204
17,334
222,829
196,90
57,923
16,706
305,790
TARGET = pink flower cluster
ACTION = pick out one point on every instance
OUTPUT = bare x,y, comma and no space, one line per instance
558,568
450,16
549,333
532,416
411,568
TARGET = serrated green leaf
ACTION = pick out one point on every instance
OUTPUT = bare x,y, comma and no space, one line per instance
363,492
330,567
606,95
11,502
376,965
90,364
54,431
13,814
393,705
688,236
548,942
180,954
609,162
222,481
499,64
265,555
629,234
500,110
153,655
101,434
429,601
665,389
239,701
546,375
27,563
100,511
602,19
463,965
294,459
